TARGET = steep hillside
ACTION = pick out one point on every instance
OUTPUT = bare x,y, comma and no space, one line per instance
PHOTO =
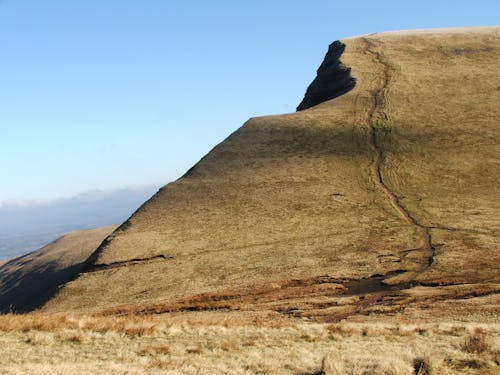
27,281
384,196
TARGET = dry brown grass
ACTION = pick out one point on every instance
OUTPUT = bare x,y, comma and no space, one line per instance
161,364
35,322
476,343
422,366
186,344
131,326
152,350
194,350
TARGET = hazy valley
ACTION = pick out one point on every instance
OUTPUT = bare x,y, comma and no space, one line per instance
27,226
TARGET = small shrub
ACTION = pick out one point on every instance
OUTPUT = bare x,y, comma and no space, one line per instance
38,338
228,346
139,331
476,343
155,349
318,372
420,331
461,364
161,363
307,337
454,331
194,350
249,343
76,338
335,328
422,366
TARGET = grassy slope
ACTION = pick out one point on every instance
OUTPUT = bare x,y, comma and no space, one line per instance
26,281
442,146
290,198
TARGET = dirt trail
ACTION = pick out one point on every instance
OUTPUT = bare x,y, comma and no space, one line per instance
375,113
375,286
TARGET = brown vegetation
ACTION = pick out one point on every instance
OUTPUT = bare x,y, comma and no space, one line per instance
193,342
476,343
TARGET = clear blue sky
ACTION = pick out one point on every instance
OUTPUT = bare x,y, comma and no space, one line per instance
100,94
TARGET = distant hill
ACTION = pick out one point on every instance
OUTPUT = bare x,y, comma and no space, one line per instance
373,201
27,227
27,281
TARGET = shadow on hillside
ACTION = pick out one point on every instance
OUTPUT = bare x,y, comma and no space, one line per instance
282,138
25,289
314,141
279,140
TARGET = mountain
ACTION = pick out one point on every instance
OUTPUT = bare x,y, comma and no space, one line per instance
382,188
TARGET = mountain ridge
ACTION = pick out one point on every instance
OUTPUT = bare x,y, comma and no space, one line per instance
362,187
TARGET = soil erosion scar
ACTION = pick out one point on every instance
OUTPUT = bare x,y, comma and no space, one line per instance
125,263
375,115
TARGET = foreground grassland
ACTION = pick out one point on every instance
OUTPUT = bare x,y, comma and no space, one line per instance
215,344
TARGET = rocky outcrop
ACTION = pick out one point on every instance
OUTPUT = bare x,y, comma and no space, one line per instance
333,79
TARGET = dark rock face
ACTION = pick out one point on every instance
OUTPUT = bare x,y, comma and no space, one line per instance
333,79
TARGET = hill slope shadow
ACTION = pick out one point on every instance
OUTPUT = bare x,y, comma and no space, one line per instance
27,282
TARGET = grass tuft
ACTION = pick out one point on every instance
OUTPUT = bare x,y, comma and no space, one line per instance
152,350
161,363
194,350
476,343
422,366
